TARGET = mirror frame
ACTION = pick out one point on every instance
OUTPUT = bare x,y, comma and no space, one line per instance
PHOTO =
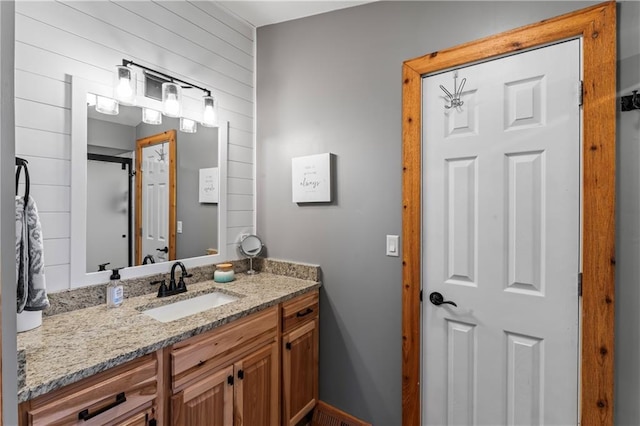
78,276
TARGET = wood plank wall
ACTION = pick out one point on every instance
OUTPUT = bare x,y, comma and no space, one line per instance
194,40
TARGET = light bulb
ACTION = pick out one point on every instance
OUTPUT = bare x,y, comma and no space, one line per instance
125,85
124,89
210,112
171,99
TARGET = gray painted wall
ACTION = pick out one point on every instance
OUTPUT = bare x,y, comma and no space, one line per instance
332,83
104,134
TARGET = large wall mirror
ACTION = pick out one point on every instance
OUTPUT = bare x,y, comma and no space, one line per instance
139,191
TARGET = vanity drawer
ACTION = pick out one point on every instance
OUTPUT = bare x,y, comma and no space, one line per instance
242,334
98,399
298,311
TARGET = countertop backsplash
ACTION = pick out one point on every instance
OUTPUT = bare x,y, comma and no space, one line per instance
85,297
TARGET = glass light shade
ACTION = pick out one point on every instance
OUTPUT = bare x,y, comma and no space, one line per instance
107,105
151,116
210,112
188,126
125,85
171,99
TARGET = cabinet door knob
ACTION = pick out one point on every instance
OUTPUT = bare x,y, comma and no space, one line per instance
230,380
288,345
240,374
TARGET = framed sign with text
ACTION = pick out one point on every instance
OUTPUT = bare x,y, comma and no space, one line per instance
208,191
311,178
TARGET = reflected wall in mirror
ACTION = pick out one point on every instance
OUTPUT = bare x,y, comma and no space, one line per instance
163,205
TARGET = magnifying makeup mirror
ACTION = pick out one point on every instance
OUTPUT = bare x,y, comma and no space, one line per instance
251,246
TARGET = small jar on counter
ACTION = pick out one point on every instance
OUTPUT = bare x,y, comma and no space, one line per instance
223,273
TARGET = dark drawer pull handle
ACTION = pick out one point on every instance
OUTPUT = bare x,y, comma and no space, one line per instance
304,313
84,414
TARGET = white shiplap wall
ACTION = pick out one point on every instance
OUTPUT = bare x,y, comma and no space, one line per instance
193,40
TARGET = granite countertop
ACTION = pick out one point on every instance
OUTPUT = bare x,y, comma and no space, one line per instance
74,345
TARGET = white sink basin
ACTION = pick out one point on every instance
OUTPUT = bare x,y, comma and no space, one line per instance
184,308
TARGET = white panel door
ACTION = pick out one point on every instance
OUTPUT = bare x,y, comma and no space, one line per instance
501,224
155,201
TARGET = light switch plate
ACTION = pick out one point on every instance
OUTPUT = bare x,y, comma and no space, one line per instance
392,246
179,227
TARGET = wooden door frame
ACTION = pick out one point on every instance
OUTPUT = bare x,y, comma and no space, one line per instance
596,26
170,137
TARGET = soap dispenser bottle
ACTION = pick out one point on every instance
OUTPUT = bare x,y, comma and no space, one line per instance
115,292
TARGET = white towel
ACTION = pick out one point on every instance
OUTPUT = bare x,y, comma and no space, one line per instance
31,288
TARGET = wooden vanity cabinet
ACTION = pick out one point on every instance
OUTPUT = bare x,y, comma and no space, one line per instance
299,357
124,395
229,375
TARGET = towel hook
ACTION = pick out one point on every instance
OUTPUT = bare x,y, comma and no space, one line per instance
454,99
22,163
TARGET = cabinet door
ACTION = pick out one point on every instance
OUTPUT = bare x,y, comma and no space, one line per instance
142,418
208,402
300,371
256,388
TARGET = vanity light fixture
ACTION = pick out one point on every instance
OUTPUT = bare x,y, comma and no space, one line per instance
125,85
171,91
107,106
151,116
188,126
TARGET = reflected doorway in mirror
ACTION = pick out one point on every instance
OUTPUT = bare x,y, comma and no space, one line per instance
156,197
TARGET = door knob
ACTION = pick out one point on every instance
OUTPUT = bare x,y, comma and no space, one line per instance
437,299
164,250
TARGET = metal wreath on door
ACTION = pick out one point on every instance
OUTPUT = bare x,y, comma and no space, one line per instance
501,241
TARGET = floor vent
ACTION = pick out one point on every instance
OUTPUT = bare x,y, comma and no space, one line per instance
326,415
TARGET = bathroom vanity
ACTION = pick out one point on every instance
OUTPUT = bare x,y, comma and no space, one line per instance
252,361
